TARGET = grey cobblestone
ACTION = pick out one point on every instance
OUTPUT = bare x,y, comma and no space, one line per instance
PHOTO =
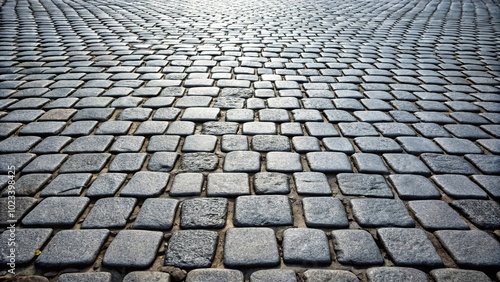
28,241
204,213
145,184
356,247
363,185
305,246
381,213
396,274
109,213
266,210
191,248
324,212
250,247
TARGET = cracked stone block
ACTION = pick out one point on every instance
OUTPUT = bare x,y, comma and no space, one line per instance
228,184
311,183
110,213
358,184
196,162
28,240
266,210
305,246
471,249
409,247
191,249
72,248
381,213
125,252
250,247
70,184
338,144
106,185
204,213
146,184
156,214
356,247
56,212
187,184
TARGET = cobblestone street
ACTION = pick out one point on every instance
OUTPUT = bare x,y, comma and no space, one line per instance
259,141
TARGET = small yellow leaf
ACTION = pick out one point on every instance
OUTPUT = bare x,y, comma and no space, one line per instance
38,252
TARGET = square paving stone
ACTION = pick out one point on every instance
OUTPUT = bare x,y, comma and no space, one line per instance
471,249
135,114
191,249
214,275
338,144
357,129
114,127
106,185
283,162
187,184
357,184
151,127
182,128
234,143
163,143
377,145
72,248
127,144
320,275
458,275
304,144
127,162
418,145
455,146
409,247
219,128
306,247
369,163
312,183
410,187
27,241
204,213
199,143
56,211
483,213
79,128
250,247
228,184
146,184
70,184
406,164
466,131
254,128
85,277
395,273
266,210
273,275
109,213
268,143
242,161
45,163
18,144
490,183
443,164
487,164
271,183
436,214
89,144
85,163
156,214
199,162
459,186
23,205
124,251
324,212
201,114
356,247
291,129
137,276
329,162
381,213
320,129
29,184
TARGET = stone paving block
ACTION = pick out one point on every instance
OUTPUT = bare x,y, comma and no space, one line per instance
250,247
199,143
283,162
70,184
89,144
85,163
146,184
483,213
394,129
409,247
431,130
204,213
43,128
219,128
406,164
488,164
201,114
446,164
18,144
182,128
436,214
304,144
156,214
128,162
125,252
356,247
455,146
471,249
29,184
318,275
329,162
109,213
466,131
137,276
240,115
320,129
163,143
377,145
135,114
410,187
266,210
271,183
242,161
191,249
187,184
228,184
45,163
85,277
381,213
214,275
276,275
79,128
490,183
28,240
268,143
127,144
234,143
459,186
166,114
324,212
311,183
306,247
72,248
22,116
357,184
255,128
6,129
458,275
23,205
196,162
395,273
338,144
418,145
149,128
106,185
100,114
56,212
369,163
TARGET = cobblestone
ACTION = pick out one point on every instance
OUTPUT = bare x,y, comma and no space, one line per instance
250,247
356,247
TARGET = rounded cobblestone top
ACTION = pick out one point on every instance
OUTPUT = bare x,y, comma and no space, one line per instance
320,140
